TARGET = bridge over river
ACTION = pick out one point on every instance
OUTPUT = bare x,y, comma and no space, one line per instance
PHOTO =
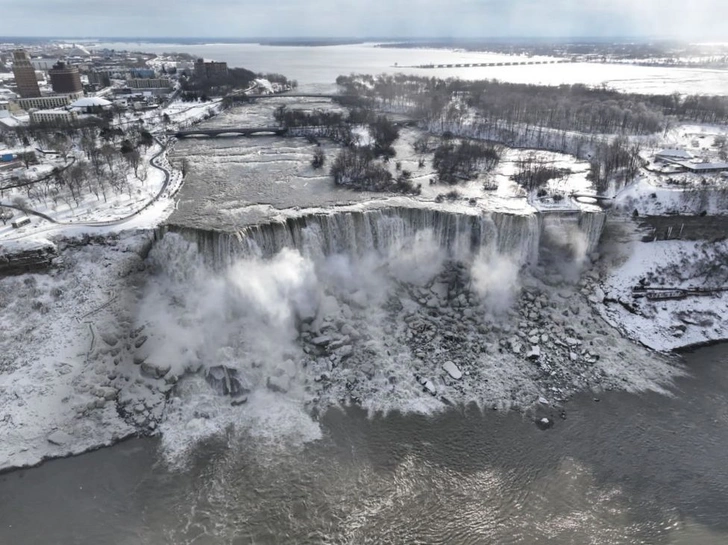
230,131
248,98
490,64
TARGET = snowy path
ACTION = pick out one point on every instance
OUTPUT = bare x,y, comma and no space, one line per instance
61,226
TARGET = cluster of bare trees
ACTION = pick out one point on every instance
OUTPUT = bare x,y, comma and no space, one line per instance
359,169
356,168
566,107
356,164
218,85
721,143
456,162
700,108
96,160
337,126
316,123
319,158
289,118
617,161
534,172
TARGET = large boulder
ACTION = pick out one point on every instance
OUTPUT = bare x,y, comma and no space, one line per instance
279,385
59,438
155,369
452,370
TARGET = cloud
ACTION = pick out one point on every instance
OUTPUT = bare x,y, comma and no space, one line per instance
373,18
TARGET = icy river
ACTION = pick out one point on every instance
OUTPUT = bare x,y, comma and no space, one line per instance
316,68
626,469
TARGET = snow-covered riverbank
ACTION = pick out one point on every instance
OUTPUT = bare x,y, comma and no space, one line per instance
59,385
669,324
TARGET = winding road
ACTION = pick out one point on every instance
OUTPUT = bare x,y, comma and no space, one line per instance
119,221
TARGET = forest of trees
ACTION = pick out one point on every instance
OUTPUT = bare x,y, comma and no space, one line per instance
235,79
534,172
457,162
358,168
592,124
109,157
565,107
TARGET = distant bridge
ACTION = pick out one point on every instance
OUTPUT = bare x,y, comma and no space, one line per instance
489,64
246,98
232,131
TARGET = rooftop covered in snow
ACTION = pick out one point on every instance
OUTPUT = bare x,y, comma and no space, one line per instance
91,102
673,154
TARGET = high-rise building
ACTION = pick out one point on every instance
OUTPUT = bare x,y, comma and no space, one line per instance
211,69
65,78
25,78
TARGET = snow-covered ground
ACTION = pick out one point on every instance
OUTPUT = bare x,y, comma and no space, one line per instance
668,324
59,383
183,114
649,199
91,208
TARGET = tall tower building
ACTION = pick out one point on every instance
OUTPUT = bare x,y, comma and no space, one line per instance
65,79
24,72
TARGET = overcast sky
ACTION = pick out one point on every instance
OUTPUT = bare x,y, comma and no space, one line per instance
693,19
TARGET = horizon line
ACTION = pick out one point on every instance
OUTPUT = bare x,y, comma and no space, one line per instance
362,38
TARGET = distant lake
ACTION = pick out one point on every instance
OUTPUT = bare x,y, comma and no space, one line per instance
316,68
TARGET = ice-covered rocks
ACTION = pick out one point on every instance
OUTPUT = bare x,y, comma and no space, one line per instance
545,423
155,369
279,385
451,369
427,385
224,380
59,438
322,340
534,353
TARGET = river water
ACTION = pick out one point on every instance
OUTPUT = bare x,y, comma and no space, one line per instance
316,68
625,469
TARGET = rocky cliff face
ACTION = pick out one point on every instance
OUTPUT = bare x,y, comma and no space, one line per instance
461,235
19,260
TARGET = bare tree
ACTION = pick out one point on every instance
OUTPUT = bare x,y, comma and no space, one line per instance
133,159
63,145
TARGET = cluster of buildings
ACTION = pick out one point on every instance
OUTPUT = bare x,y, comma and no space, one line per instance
686,161
41,106
58,89
210,69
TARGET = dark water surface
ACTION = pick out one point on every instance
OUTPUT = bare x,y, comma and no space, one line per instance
627,469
